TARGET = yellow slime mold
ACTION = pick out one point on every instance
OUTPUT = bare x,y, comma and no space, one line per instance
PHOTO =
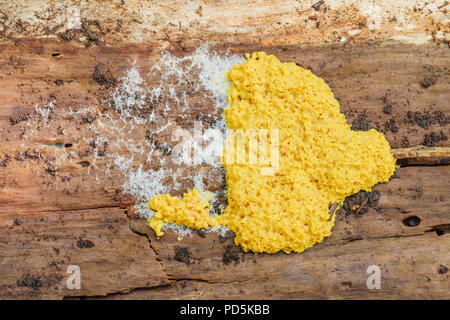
321,160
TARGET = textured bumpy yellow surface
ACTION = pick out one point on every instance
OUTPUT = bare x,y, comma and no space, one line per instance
321,160
191,212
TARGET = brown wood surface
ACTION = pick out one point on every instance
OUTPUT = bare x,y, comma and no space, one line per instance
49,221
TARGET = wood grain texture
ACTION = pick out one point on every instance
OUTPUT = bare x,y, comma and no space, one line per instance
54,214
37,249
334,272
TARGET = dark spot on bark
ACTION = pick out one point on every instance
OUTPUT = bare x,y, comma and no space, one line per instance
60,130
166,150
387,109
89,118
28,155
17,222
412,221
207,119
52,279
361,201
422,120
228,235
231,254
30,282
103,75
15,120
390,126
396,175
68,35
51,169
441,229
84,153
90,32
426,119
428,82
362,123
119,196
221,201
65,179
16,62
183,255
440,118
149,135
405,142
316,6
431,139
417,193
201,232
5,161
83,244
59,82
442,269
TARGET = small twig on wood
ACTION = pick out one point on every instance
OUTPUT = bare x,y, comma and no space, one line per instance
362,204
421,152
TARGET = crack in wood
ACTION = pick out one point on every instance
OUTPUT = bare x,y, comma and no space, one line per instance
150,244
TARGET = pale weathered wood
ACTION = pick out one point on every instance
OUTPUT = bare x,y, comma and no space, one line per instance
183,24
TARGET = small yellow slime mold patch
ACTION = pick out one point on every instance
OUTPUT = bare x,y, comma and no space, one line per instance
191,212
321,160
